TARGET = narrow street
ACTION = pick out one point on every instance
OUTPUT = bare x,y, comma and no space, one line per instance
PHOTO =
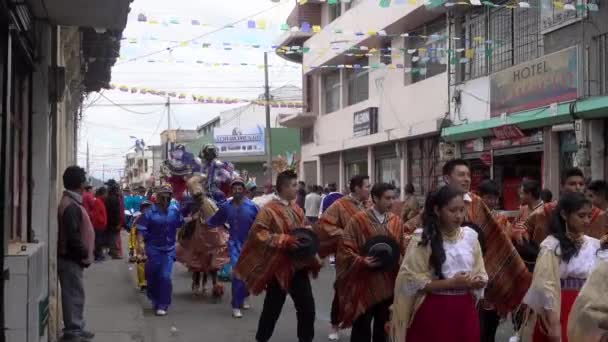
117,312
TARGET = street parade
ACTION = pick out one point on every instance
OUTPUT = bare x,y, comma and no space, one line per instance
304,170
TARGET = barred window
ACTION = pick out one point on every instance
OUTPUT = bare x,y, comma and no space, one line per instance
497,38
601,46
331,87
358,83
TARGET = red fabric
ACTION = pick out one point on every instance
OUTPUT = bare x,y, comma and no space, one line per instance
99,216
568,298
445,318
88,201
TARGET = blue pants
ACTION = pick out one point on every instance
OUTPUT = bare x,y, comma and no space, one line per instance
158,274
239,290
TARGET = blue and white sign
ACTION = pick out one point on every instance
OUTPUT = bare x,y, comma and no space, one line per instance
239,141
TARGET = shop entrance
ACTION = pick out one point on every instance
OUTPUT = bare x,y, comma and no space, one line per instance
511,170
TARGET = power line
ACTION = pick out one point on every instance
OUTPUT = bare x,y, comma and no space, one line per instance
203,35
130,110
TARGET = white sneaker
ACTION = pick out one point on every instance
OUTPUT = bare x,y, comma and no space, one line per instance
334,334
236,313
332,261
160,312
246,305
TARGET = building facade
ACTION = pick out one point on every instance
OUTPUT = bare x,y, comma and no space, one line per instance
395,92
50,58
363,114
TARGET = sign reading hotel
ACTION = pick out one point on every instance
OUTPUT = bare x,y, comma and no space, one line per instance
239,141
550,79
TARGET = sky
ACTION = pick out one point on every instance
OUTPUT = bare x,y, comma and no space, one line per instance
112,119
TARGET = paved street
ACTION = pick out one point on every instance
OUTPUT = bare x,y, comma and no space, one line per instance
117,312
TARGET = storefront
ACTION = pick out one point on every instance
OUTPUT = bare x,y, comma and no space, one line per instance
355,163
506,160
330,168
424,166
387,165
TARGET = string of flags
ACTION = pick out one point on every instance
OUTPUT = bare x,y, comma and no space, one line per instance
202,98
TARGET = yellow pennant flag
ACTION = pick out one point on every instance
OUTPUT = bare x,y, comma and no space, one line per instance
261,24
413,2
558,5
303,2
316,28
183,44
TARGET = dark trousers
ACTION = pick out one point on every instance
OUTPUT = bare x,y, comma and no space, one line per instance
335,308
301,293
100,243
488,322
113,236
362,326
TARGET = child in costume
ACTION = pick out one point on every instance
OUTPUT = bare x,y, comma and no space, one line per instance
139,253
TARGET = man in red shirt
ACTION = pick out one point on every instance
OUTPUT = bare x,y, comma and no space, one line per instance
99,219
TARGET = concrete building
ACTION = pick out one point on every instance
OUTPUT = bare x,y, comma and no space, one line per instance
250,120
50,57
139,168
537,102
170,138
360,115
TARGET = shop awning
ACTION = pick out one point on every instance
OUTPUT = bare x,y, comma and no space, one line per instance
588,108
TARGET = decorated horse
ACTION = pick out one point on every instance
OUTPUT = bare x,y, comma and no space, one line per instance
202,249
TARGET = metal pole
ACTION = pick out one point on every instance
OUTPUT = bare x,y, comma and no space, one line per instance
168,143
267,103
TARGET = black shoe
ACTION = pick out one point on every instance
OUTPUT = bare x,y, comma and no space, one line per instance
87,335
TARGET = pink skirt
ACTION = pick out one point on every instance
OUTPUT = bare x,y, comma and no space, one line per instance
443,317
206,251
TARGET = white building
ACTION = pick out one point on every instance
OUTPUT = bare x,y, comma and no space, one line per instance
363,113
140,168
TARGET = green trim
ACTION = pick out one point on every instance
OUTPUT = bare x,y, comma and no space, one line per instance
589,108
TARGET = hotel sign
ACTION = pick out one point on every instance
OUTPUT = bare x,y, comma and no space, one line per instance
553,78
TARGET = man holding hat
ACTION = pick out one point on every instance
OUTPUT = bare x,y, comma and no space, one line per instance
158,226
239,213
271,261
366,280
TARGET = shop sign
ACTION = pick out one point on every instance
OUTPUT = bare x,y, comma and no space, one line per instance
534,138
507,132
239,141
474,145
365,122
555,15
550,79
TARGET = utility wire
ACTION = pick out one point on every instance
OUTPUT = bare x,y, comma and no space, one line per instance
130,110
203,35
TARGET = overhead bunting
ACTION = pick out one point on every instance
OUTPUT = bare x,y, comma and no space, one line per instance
203,98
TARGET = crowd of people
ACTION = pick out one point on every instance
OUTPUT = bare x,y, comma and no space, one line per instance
449,270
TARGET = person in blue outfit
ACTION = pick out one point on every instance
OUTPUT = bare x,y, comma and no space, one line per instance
158,227
239,213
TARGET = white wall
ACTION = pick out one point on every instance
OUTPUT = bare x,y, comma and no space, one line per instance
475,101
252,114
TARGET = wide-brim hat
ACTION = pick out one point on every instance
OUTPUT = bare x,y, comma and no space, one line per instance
165,189
385,249
237,180
309,243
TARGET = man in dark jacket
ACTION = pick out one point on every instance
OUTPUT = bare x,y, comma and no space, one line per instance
75,246
114,210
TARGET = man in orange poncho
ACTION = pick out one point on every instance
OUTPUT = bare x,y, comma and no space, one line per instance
265,263
537,224
509,277
331,227
365,293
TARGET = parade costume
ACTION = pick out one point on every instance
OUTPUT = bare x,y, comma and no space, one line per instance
330,229
139,255
265,264
509,278
588,320
240,218
219,174
204,248
364,293
556,284
447,315
536,225
159,230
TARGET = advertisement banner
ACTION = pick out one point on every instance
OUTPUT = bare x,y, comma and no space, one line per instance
239,141
550,79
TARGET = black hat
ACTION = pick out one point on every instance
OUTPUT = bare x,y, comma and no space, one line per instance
385,249
309,243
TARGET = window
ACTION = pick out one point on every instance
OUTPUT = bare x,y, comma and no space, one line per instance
335,11
601,44
307,135
331,87
431,60
389,171
499,38
386,52
309,94
358,83
146,165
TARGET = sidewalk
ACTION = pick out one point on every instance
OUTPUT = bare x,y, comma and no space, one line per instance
113,309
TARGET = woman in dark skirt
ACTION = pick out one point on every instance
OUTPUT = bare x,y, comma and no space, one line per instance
442,276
